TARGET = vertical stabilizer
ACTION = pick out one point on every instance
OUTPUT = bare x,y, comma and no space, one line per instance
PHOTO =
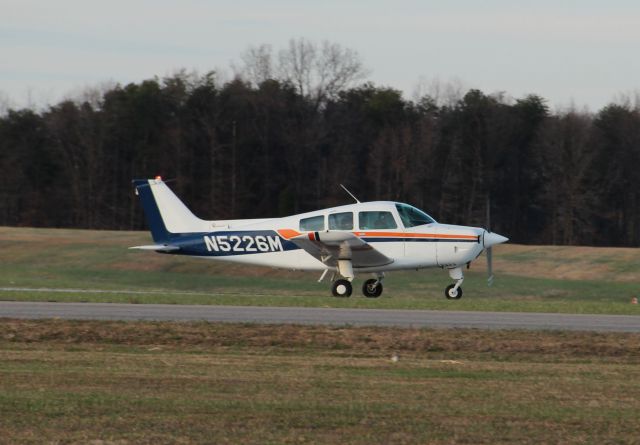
166,215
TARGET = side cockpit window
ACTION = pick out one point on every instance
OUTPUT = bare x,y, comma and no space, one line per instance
312,224
341,221
377,220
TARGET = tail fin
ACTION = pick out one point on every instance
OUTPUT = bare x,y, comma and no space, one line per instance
166,215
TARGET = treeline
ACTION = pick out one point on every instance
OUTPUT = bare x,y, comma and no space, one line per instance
243,149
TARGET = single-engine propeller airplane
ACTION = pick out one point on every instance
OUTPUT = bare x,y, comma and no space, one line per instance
365,237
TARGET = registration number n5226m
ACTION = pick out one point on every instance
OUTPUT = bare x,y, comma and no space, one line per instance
243,243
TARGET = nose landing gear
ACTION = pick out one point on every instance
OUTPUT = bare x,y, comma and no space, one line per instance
454,291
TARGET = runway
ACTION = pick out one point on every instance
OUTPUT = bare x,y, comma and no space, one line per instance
320,316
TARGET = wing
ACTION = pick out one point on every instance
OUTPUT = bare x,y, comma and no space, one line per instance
329,247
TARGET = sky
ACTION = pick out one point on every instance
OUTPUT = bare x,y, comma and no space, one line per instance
573,53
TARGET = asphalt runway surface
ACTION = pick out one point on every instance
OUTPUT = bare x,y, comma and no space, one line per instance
320,316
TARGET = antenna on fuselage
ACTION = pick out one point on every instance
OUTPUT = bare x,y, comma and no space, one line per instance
350,194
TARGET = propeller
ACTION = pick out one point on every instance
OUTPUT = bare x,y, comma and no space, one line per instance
489,267
490,239
489,250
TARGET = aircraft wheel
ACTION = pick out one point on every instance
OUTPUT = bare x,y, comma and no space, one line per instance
370,290
341,288
451,294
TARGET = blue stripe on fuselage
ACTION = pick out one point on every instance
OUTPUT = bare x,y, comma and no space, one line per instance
232,243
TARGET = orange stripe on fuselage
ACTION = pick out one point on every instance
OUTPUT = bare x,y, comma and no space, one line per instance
290,233
414,235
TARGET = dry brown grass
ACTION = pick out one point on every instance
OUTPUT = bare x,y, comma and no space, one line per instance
567,262
363,340
65,382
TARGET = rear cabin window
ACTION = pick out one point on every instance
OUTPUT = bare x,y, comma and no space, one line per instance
312,224
377,220
341,221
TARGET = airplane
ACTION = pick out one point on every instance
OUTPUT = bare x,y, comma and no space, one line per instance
361,238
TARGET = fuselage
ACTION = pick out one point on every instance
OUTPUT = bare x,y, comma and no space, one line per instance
370,237
410,237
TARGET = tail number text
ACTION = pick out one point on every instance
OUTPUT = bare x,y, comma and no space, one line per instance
243,243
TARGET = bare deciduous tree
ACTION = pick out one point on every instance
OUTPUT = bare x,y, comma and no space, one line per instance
257,64
5,103
318,71
443,94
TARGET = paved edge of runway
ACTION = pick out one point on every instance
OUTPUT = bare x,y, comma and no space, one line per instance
320,316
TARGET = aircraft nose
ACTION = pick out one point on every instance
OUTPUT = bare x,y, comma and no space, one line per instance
491,239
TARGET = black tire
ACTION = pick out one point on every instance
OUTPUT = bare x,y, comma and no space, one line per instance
370,290
341,288
450,295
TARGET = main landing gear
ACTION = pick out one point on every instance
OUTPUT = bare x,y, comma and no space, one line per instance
371,288
341,288
454,291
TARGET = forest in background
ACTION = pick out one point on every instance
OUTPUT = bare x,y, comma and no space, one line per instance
281,135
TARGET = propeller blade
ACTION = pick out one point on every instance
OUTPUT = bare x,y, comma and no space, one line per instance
489,266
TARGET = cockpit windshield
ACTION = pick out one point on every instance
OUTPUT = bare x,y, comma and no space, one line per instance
412,217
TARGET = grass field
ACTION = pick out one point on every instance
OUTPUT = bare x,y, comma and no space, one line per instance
78,382
529,278
153,383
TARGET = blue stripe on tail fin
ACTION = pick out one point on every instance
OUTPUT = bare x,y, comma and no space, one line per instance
159,231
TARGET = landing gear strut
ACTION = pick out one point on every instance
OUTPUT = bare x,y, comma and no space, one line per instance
454,291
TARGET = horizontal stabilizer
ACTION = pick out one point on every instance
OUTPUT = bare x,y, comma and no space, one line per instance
157,248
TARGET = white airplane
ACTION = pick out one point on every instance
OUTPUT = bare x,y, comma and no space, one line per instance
368,237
